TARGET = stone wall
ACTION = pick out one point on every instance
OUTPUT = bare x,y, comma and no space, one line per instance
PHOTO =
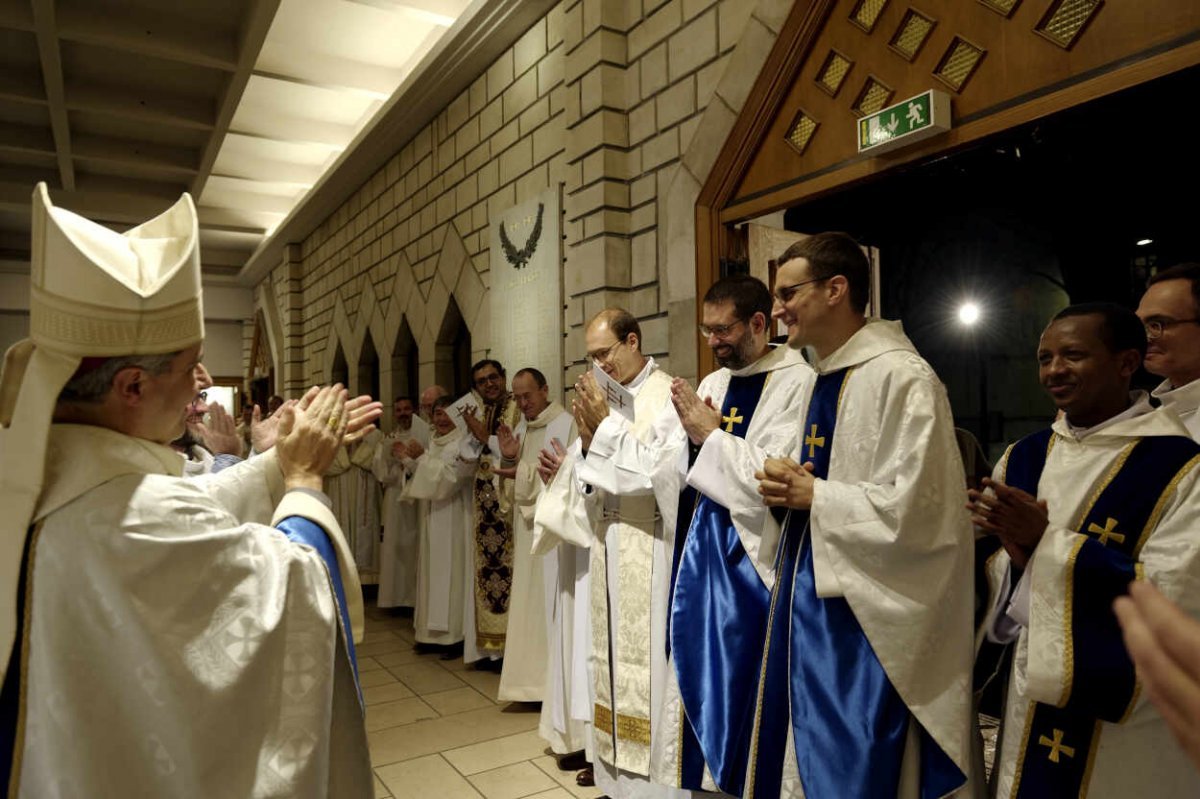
624,102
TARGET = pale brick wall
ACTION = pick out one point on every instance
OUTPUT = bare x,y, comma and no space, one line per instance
606,97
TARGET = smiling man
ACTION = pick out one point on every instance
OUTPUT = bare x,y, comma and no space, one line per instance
1170,310
164,645
874,563
1104,497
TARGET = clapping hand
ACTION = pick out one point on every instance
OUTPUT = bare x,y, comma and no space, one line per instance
549,461
1018,519
510,443
220,432
698,417
470,415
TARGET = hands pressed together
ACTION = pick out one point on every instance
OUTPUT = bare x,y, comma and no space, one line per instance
589,407
698,417
783,483
1018,519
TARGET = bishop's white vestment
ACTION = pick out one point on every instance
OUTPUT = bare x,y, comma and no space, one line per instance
865,686
167,647
398,549
441,486
1123,505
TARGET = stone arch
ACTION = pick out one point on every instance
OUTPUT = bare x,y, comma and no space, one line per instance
452,352
456,299
266,307
340,339
366,376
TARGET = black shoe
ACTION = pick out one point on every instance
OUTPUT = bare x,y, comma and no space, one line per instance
486,664
452,651
426,649
574,761
586,778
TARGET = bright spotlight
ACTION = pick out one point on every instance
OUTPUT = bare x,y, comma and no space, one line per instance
1144,242
968,313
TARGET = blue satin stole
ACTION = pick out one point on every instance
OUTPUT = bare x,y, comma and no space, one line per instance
1103,685
820,674
305,531
718,621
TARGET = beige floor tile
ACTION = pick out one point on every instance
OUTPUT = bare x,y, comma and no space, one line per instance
368,664
382,647
455,665
381,791
371,679
375,636
449,732
400,658
495,753
512,782
553,793
459,700
426,778
566,779
393,714
485,682
425,678
386,693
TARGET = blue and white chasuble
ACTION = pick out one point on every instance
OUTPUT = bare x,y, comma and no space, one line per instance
1119,499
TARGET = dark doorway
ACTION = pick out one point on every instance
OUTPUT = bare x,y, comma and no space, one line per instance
453,356
405,363
368,368
339,372
1078,206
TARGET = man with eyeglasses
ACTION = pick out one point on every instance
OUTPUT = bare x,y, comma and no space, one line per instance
492,519
616,491
864,687
1170,310
741,414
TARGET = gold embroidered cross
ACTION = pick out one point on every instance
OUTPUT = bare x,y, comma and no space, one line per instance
812,441
731,420
1109,530
1056,746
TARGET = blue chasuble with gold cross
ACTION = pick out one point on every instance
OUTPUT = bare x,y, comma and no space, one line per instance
1059,742
820,675
718,619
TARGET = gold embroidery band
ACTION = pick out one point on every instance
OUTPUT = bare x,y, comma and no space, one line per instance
631,728
603,718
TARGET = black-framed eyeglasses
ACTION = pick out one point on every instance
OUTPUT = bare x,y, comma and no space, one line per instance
720,331
1160,324
785,293
605,355
202,396
494,377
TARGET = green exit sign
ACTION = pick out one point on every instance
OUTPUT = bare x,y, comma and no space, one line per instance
904,123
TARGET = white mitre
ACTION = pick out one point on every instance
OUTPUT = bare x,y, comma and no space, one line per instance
94,293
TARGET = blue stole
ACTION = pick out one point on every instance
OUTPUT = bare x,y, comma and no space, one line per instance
820,675
1059,741
304,531
718,621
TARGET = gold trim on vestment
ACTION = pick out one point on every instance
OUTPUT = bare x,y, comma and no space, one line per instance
1091,760
1016,784
631,728
14,779
1068,639
1113,470
1161,506
1139,573
602,718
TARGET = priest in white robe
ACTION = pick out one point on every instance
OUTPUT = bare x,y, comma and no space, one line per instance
1104,497
620,485
1169,309
865,683
202,654
392,467
441,486
741,414
354,491
526,656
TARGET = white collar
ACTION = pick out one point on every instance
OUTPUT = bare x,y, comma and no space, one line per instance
1140,419
1181,399
871,340
636,383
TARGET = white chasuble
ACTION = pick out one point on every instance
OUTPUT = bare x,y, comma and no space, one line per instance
633,471
523,678
398,549
441,487
723,471
171,649
1064,627
1183,401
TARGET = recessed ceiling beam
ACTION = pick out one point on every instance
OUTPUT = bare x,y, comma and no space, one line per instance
269,170
25,139
148,35
51,58
286,128
22,87
181,112
180,161
253,33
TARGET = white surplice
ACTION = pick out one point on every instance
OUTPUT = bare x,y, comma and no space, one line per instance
891,535
1137,757
523,677
724,471
623,496
1184,401
398,550
441,486
171,648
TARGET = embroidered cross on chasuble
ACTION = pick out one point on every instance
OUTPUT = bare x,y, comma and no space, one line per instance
1060,741
715,581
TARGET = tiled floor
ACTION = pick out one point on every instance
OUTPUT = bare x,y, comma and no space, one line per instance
436,731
